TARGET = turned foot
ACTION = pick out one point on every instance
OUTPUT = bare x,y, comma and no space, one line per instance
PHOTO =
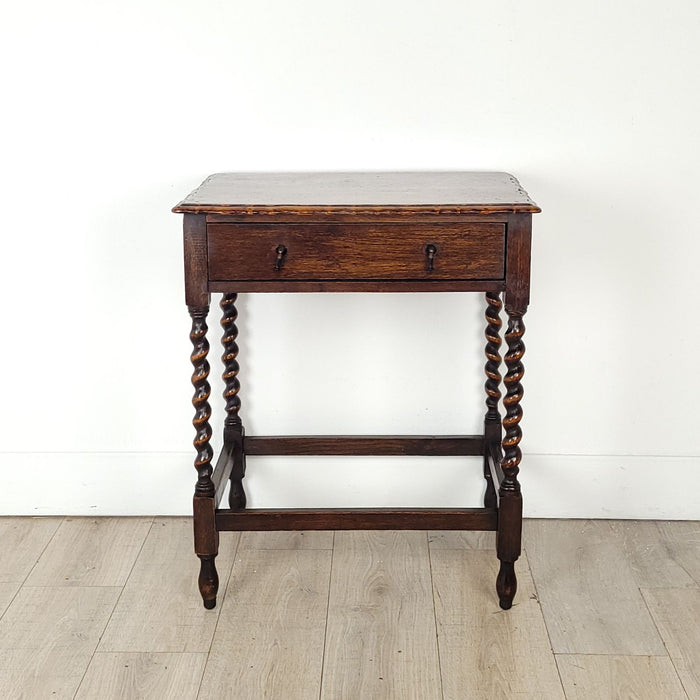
506,584
208,581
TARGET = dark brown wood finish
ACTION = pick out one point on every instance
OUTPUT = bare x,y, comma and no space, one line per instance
196,273
435,445
222,473
518,263
425,285
355,252
379,193
365,232
358,217
359,519
510,503
206,537
494,455
233,426
492,420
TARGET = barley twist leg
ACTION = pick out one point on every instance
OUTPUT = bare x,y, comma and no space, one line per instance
492,420
233,427
205,534
510,499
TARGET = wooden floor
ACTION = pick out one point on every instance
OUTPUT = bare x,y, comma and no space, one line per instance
108,608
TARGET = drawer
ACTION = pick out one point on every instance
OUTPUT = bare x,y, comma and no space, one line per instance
356,251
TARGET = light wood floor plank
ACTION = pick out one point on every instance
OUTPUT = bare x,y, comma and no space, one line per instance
91,552
22,540
682,538
485,652
676,611
655,558
47,637
269,640
160,608
7,593
139,676
461,539
380,641
619,678
319,539
590,599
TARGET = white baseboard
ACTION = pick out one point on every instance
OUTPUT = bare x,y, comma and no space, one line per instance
554,486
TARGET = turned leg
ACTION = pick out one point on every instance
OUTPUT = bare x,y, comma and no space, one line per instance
233,427
510,507
206,537
492,421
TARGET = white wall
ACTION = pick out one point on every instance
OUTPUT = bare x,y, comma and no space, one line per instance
114,111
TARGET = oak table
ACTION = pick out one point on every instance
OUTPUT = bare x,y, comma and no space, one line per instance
358,232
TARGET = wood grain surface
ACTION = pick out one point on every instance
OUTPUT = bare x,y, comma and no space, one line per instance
269,640
22,540
380,641
676,612
357,193
160,608
120,675
339,286
591,677
588,590
660,555
47,638
298,539
355,251
682,540
486,652
357,519
461,539
444,445
91,552
7,593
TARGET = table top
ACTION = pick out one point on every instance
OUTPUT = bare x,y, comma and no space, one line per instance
358,193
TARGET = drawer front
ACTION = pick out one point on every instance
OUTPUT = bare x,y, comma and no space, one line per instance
390,251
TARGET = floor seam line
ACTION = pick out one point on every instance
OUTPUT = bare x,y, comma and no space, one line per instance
432,594
544,620
220,605
24,580
114,607
325,631
663,641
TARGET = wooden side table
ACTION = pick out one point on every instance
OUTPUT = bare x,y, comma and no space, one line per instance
364,232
